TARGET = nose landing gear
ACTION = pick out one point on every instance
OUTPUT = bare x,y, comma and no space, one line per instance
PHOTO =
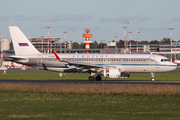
152,77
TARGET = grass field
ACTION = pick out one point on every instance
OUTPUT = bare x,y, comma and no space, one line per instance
170,76
88,101
96,89
86,107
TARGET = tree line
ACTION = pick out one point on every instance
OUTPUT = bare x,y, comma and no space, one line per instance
96,45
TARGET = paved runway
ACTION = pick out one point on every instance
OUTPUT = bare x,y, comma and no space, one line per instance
88,82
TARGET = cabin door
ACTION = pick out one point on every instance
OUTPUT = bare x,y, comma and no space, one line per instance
152,60
39,60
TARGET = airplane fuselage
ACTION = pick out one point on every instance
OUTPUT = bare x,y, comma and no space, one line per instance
126,62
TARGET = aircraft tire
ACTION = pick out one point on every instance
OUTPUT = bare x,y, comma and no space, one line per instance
152,79
91,78
98,78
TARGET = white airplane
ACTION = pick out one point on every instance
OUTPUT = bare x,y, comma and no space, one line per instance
107,65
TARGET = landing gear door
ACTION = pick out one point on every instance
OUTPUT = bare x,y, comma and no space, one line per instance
152,60
39,60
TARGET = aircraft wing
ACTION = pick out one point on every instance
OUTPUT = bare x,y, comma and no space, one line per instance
78,64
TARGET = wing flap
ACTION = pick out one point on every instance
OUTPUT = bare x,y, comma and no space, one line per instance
84,65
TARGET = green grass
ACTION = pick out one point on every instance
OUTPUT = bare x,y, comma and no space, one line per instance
24,104
170,76
86,107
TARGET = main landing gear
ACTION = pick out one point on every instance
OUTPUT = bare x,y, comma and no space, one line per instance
91,78
97,78
152,77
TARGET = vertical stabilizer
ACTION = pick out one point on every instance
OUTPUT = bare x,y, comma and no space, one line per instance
22,46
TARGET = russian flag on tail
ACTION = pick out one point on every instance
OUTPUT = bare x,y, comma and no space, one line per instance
23,44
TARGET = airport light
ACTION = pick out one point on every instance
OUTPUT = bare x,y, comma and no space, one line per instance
116,44
1,48
48,39
30,36
42,43
60,42
137,41
171,40
127,37
124,40
102,43
50,42
175,53
130,42
65,41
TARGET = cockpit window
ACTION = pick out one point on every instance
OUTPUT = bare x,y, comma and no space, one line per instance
164,60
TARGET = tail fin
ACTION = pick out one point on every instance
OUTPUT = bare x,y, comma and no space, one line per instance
22,46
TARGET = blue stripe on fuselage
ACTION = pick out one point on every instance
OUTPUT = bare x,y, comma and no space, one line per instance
140,65
121,64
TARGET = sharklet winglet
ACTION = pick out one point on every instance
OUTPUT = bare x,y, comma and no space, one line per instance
57,57
86,52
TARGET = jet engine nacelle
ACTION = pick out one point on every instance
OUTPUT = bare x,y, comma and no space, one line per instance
115,73
112,73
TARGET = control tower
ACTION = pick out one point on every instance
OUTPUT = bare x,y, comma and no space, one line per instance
87,36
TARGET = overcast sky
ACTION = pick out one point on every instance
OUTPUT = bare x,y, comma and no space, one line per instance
105,18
